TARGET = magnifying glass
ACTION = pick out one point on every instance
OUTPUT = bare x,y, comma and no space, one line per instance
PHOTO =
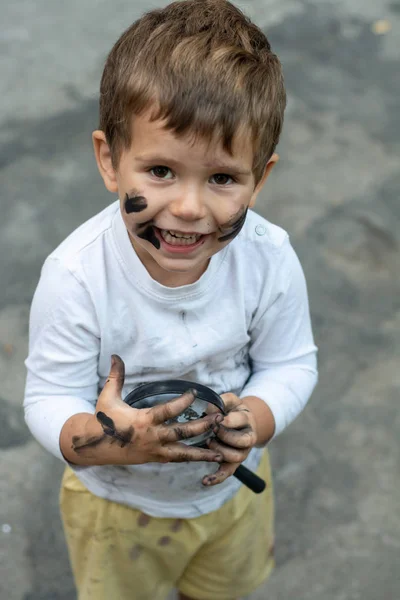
148,395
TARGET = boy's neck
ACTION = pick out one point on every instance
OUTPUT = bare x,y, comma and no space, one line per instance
174,279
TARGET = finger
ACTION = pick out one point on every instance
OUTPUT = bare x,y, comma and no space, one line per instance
243,438
183,431
173,408
182,453
230,455
225,470
237,419
116,377
231,401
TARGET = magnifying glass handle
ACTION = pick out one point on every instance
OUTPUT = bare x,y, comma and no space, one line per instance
250,479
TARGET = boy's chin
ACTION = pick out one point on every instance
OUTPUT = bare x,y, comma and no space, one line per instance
173,273
182,265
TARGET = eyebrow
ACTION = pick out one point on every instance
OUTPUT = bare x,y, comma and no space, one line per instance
163,160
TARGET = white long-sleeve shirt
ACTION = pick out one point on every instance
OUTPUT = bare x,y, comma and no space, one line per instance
243,327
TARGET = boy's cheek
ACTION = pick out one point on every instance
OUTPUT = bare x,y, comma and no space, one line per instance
231,228
139,207
134,203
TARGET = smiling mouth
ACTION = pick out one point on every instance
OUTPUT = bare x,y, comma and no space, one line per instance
176,238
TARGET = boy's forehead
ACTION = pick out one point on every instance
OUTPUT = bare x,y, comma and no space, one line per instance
149,136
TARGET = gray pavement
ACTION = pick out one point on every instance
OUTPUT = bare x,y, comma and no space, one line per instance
335,190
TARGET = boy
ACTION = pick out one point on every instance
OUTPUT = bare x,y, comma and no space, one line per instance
176,279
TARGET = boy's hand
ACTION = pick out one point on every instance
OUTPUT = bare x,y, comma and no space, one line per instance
135,436
235,438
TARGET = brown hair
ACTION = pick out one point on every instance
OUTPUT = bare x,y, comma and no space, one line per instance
205,68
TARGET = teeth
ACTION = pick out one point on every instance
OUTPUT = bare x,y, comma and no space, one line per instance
181,239
181,235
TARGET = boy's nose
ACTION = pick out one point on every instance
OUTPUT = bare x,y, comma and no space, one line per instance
189,205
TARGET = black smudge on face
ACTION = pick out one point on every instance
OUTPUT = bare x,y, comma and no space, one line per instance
122,437
234,225
146,232
134,204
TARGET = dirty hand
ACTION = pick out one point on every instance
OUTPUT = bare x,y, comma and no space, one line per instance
135,436
235,437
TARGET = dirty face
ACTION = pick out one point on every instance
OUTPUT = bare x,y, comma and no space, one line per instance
182,202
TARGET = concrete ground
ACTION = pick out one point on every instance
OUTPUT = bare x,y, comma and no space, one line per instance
335,190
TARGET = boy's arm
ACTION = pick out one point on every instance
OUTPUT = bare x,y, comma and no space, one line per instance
62,376
284,371
282,353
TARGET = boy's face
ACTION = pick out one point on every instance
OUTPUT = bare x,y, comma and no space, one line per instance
181,203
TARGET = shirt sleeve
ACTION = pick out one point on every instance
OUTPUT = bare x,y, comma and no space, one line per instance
282,349
62,375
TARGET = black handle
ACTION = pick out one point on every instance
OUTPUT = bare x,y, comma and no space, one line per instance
250,479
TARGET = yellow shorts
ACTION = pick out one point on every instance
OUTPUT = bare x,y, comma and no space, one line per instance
120,553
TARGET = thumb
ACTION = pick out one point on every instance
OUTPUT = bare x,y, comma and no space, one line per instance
230,401
116,377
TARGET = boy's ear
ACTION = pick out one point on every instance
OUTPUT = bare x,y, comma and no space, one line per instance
270,164
104,162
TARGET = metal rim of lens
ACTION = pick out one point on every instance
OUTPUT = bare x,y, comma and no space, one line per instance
174,386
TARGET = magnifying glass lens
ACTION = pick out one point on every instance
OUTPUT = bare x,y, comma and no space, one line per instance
196,410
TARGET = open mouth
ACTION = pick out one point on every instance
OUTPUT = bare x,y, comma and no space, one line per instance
175,240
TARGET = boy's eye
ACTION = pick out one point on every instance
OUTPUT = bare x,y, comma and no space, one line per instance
160,172
218,176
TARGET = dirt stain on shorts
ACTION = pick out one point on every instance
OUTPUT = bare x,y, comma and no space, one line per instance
143,520
177,525
135,552
164,541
